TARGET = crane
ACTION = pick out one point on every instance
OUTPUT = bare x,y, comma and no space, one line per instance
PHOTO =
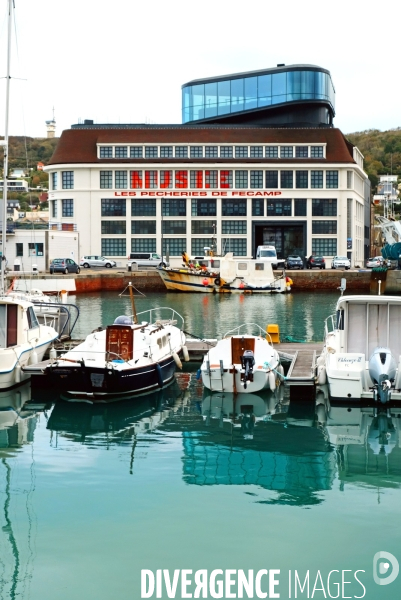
391,232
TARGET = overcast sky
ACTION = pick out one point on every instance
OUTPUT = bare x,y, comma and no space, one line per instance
125,61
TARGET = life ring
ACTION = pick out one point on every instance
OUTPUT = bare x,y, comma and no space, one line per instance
217,281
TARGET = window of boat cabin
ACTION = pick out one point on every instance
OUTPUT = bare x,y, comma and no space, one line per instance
340,319
32,320
259,266
242,266
8,325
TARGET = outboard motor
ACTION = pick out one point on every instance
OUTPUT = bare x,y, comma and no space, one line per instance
247,364
382,370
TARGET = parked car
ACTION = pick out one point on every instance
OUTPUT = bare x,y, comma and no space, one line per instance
315,262
145,259
64,265
375,261
341,262
97,261
294,262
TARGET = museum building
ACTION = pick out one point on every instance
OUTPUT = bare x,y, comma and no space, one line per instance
256,161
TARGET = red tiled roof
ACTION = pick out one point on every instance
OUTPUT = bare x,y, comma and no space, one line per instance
79,145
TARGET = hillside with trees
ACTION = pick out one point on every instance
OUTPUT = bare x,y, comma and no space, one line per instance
381,150
25,153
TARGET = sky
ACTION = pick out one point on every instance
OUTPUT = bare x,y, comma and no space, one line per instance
125,61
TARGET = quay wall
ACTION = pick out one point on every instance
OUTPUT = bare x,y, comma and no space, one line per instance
327,279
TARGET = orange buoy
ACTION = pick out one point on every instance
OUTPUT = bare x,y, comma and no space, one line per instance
205,281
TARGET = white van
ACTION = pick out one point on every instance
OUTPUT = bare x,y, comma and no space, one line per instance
269,254
145,259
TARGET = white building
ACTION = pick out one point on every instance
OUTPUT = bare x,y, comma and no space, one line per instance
128,188
29,248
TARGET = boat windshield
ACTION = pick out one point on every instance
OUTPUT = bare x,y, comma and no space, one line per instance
267,253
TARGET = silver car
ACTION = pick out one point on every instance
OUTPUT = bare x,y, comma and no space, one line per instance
97,261
341,262
375,261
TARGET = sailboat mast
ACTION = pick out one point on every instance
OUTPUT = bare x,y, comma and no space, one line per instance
5,147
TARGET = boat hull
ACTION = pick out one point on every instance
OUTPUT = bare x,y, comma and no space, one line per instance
181,280
16,359
108,381
231,382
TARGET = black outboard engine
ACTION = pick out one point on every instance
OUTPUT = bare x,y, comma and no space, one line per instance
382,370
247,364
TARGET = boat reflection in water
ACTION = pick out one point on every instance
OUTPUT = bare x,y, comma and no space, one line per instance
296,450
120,421
253,439
17,426
367,440
17,422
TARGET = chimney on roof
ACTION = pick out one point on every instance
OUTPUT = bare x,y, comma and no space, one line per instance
88,122
281,65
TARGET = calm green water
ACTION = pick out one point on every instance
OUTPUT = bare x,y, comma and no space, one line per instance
90,495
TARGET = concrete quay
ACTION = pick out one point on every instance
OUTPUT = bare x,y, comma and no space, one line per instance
93,280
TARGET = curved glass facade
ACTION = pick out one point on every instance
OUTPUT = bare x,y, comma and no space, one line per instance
204,100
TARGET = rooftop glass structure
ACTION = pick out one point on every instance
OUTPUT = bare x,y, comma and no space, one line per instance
285,94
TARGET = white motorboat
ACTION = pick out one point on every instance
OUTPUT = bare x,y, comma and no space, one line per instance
132,356
242,362
54,311
361,357
23,341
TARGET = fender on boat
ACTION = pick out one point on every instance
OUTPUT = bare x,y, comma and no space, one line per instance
185,353
177,359
272,381
159,375
321,375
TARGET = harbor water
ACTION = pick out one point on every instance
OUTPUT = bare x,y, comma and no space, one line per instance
92,495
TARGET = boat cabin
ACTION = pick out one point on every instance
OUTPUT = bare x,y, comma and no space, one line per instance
253,271
366,322
18,323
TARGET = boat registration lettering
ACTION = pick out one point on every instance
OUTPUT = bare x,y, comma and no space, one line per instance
350,361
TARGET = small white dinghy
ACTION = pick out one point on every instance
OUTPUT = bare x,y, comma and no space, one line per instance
242,362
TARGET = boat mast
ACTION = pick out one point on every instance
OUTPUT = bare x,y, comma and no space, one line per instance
5,148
